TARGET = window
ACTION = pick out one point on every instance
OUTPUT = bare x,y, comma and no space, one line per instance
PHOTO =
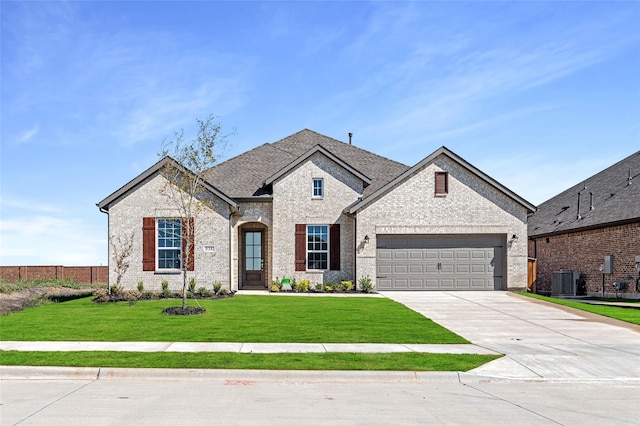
169,243
318,187
442,183
317,246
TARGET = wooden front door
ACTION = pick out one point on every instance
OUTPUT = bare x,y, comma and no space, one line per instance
253,264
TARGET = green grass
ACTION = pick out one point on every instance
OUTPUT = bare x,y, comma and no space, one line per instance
623,314
237,319
288,361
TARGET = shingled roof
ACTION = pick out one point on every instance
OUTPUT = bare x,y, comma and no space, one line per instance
608,198
243,176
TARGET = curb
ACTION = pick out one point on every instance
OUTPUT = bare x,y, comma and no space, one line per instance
252,377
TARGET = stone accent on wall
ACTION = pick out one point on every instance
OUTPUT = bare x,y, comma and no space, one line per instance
584,252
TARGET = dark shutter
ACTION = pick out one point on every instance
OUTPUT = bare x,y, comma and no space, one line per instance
301,247
148,243
442,184
334,249
191,262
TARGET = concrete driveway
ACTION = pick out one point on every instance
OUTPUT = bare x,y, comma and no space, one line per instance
540,340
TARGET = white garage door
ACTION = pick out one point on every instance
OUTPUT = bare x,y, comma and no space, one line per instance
428,262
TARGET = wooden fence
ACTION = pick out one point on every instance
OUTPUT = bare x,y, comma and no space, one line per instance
80,274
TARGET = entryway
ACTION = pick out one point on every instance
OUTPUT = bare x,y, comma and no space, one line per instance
252,255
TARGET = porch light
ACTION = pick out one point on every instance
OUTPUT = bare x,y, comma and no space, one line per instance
366,239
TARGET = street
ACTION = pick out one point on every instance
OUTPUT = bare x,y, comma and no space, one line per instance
241,401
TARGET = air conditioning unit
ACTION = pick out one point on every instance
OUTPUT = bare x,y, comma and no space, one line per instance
564,283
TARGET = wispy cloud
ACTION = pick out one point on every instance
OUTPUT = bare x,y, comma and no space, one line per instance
27,135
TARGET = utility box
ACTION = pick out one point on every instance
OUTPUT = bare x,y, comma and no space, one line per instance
564,283
608,265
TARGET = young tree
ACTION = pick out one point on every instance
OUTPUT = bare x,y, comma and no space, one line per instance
121,249
184,172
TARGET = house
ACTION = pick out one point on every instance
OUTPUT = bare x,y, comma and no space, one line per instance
576,229
309,206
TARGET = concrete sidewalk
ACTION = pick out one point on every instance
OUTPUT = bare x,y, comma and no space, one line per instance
260,348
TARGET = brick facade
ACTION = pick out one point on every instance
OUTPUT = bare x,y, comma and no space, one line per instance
212,227
293,204
584,251
471,207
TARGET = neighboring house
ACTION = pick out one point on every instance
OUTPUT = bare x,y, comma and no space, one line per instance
576,229
309,206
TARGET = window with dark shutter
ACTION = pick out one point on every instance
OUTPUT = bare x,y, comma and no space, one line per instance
148,243
442,183
334,249
301,247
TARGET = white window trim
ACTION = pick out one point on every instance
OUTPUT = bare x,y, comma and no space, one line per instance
313,188
158,248
317,251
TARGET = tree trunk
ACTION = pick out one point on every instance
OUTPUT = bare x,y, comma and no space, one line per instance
184,287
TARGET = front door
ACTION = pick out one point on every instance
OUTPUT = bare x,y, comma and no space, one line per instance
253,265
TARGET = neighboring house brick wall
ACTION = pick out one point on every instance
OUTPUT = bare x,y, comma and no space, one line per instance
584,252
293,204
471,207
125,216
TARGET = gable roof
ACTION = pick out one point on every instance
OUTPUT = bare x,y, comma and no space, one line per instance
306,155
425,162
244,176
156,168
614,198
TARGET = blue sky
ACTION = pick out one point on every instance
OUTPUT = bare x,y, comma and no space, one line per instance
539,95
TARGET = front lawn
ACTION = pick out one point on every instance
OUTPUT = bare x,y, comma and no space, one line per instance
403,361
259,319
630,315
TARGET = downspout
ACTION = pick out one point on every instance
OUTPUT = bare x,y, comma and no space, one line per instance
230,250
355,251
105,211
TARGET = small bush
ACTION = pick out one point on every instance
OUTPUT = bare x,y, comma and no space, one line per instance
216,287
318,287
140,286
202,291
302,286
275,288
365,284
276,283
223,292
328,287
165,288
117,290
347,285
192,284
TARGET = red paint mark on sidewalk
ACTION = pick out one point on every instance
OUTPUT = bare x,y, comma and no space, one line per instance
239,383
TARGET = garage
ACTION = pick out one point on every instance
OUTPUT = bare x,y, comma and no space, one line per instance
440,262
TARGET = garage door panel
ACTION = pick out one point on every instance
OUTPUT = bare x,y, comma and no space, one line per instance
439,263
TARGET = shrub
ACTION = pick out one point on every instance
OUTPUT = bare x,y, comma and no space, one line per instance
365,284
302,286
318,287
216,287
294,285
202,291
275,288
276,283
117,290
328,287
347,285
165,288
140,286
192,284
223,292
